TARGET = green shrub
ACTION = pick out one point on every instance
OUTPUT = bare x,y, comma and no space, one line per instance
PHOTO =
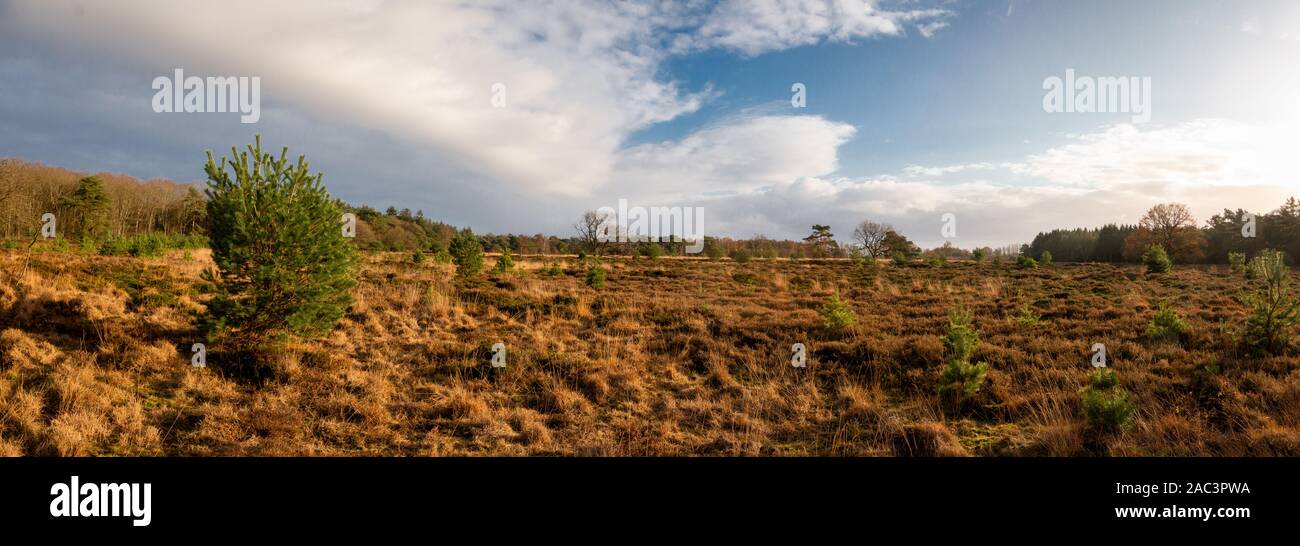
149,244
1045,258
1274,313
978,255
440,254
1157,260
552,269
146,246
467,253
1106,406
1025,262
901,259
837,315
596,276
1237,262
745,278
417,257
505,263
961,379
283,265
740,256
652,250
1166,325
115,246
713,250
1025,316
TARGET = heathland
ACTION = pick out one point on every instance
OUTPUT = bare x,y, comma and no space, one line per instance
672,356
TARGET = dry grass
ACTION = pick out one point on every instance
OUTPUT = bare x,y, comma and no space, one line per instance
674,357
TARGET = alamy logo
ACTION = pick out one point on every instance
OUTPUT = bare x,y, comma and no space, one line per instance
658,224
1101,95
102,500
213,94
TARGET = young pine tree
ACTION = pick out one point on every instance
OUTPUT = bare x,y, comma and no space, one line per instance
467,252
961,379
1275,314
283,265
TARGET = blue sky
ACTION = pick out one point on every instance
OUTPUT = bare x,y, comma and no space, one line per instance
914,108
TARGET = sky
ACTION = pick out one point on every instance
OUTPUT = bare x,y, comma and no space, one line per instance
510,116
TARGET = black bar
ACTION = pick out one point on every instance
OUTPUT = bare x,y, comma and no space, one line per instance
561,496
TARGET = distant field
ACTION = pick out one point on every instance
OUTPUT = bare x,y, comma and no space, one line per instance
672,357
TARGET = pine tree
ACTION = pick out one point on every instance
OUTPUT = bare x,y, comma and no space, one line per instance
90,205
284,266
467,252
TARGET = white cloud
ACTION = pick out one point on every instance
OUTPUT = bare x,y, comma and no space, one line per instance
580,77
928,30
1112,175
934,172
1206,152
753,27
738,154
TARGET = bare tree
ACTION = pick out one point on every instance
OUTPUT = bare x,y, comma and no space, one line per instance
8,179
593,231
870,237
1167,219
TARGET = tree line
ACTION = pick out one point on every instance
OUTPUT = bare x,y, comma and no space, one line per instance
1173,227
106,206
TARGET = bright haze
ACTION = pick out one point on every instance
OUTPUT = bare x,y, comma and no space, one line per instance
913,108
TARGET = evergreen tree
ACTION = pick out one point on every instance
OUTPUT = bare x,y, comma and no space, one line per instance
283,265
467,252
90,205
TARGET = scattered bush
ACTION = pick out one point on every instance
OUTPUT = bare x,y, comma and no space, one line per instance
901,259
1106,406
748,279
978,255
417,257
596,276
1045,258
1157,260
440,254
837,315
1166,325
505,262
713,251
1274,313
652,250
740,256
116,246
149,244
1025,262
552,269
1237,262
961,379
1025,316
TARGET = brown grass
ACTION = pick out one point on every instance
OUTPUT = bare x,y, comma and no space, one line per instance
674,357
